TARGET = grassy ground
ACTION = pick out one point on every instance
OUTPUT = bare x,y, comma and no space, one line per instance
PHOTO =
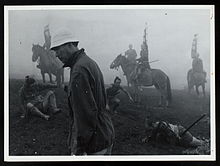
40,137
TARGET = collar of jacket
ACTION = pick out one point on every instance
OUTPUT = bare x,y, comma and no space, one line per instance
74,58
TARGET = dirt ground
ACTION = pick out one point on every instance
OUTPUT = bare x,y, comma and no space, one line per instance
40,137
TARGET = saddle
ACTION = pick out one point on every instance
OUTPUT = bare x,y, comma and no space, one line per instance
146,77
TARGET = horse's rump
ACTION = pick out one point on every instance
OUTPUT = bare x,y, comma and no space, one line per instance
159,78
199,78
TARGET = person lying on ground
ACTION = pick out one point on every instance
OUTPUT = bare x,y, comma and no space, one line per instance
32,102
167,133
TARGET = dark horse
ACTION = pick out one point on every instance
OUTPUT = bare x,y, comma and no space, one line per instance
196,79
159,79
48,63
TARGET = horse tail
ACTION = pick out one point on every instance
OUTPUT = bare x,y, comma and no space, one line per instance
169,94
189,79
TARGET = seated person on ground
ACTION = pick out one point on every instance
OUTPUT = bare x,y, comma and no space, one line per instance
112,92
34,103
166,133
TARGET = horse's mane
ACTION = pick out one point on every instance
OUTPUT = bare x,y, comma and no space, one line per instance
37,46
125,59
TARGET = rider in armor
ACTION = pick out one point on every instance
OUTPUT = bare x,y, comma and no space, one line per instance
194,46
197,64
143,61
47,38
131,54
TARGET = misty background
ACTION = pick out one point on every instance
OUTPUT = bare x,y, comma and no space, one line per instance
105,33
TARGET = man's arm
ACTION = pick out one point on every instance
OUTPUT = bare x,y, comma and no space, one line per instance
128,94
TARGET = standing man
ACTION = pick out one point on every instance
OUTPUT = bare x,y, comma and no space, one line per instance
131,54
91,129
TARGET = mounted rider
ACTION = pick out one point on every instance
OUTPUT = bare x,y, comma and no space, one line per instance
47,37
197,64
54,60
131,54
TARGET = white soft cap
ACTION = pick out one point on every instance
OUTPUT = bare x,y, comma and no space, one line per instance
61,37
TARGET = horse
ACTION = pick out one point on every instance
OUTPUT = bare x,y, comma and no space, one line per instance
196,79
159,79
48,63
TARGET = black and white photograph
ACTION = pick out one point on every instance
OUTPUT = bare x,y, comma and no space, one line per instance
109,83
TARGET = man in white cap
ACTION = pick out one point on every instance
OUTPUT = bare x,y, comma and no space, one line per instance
91,128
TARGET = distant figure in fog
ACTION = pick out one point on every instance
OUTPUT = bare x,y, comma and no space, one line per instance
34,103
113,91
91,129
197,66
194,46
131,54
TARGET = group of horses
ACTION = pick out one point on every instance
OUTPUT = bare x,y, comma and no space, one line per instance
50,64
159,79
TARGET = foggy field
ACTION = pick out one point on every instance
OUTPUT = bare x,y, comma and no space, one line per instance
40,137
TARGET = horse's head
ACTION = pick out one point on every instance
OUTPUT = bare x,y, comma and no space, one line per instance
36,52
117,62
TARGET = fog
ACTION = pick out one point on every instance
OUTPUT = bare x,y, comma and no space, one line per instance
105,33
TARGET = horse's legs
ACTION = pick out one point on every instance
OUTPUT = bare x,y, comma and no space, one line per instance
197,90
161,94
43,76
203,89
50,75
62,75
58,79
161,99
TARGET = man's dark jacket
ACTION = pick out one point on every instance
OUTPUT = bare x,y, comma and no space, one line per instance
91,126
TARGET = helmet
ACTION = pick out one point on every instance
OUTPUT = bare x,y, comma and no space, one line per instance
61,37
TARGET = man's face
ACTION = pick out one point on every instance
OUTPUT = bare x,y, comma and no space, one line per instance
117,82
62,52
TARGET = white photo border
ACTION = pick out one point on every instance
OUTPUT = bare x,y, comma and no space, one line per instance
211,157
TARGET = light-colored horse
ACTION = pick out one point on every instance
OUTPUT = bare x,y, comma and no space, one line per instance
159,79
196,79
48,63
